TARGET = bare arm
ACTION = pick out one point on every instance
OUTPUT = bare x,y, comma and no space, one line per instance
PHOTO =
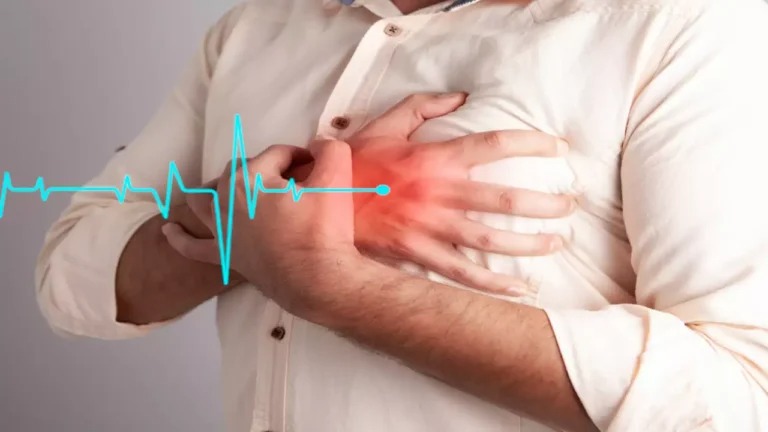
500,351
692,354
155,283
503,352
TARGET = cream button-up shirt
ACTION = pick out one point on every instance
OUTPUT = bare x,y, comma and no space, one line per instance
659,302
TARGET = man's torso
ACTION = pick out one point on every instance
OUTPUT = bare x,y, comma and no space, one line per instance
292,69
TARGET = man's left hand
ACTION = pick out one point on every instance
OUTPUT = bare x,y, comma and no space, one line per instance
289,247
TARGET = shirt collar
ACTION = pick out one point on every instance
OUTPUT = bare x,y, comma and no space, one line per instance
452,6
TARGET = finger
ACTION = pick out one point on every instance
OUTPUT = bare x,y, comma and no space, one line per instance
300,168
275,160
461,231
201,203
203,250
444,259
487,147
491,198
333,164
299,172
402,119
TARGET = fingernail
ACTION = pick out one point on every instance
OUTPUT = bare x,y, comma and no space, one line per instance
516,290
562,147
452,95
577,187
165,229
573,205
556,243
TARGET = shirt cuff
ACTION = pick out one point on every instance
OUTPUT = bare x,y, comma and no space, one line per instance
76,277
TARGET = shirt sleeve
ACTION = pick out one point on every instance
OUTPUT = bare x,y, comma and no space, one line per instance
76,268
692,354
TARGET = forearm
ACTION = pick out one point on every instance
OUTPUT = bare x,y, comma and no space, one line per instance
503,352
155,283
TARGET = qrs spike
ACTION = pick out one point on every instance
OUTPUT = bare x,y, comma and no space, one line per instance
174,177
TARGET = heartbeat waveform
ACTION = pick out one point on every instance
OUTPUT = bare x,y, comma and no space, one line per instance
174,176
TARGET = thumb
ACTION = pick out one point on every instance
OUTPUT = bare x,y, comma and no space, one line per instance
202,203
402,119
333,164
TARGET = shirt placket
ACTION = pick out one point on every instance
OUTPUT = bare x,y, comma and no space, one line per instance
273,342
348,106
346,110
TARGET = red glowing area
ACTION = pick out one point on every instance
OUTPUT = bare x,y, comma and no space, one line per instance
412,204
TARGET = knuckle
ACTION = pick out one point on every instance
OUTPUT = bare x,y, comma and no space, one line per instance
415,113
485,241
275,147
493,140
415,99
458,273
506,201
457,235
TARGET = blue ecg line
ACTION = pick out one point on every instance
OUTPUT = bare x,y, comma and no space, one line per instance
224,239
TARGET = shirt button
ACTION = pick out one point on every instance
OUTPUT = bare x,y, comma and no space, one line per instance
340,122
392,30
278,332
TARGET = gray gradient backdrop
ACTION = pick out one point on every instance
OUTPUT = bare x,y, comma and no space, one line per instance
77,79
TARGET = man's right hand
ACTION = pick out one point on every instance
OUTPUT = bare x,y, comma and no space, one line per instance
423,219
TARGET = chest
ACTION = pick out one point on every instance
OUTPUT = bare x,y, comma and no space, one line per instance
294,75
298,73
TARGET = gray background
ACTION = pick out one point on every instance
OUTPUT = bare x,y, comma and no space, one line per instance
77,79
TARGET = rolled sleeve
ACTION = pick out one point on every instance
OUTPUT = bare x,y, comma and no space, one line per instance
692,354
76,269
77,277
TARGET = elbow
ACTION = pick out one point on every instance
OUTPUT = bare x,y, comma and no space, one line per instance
734,376
56,316
76,302
710,381
76,269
